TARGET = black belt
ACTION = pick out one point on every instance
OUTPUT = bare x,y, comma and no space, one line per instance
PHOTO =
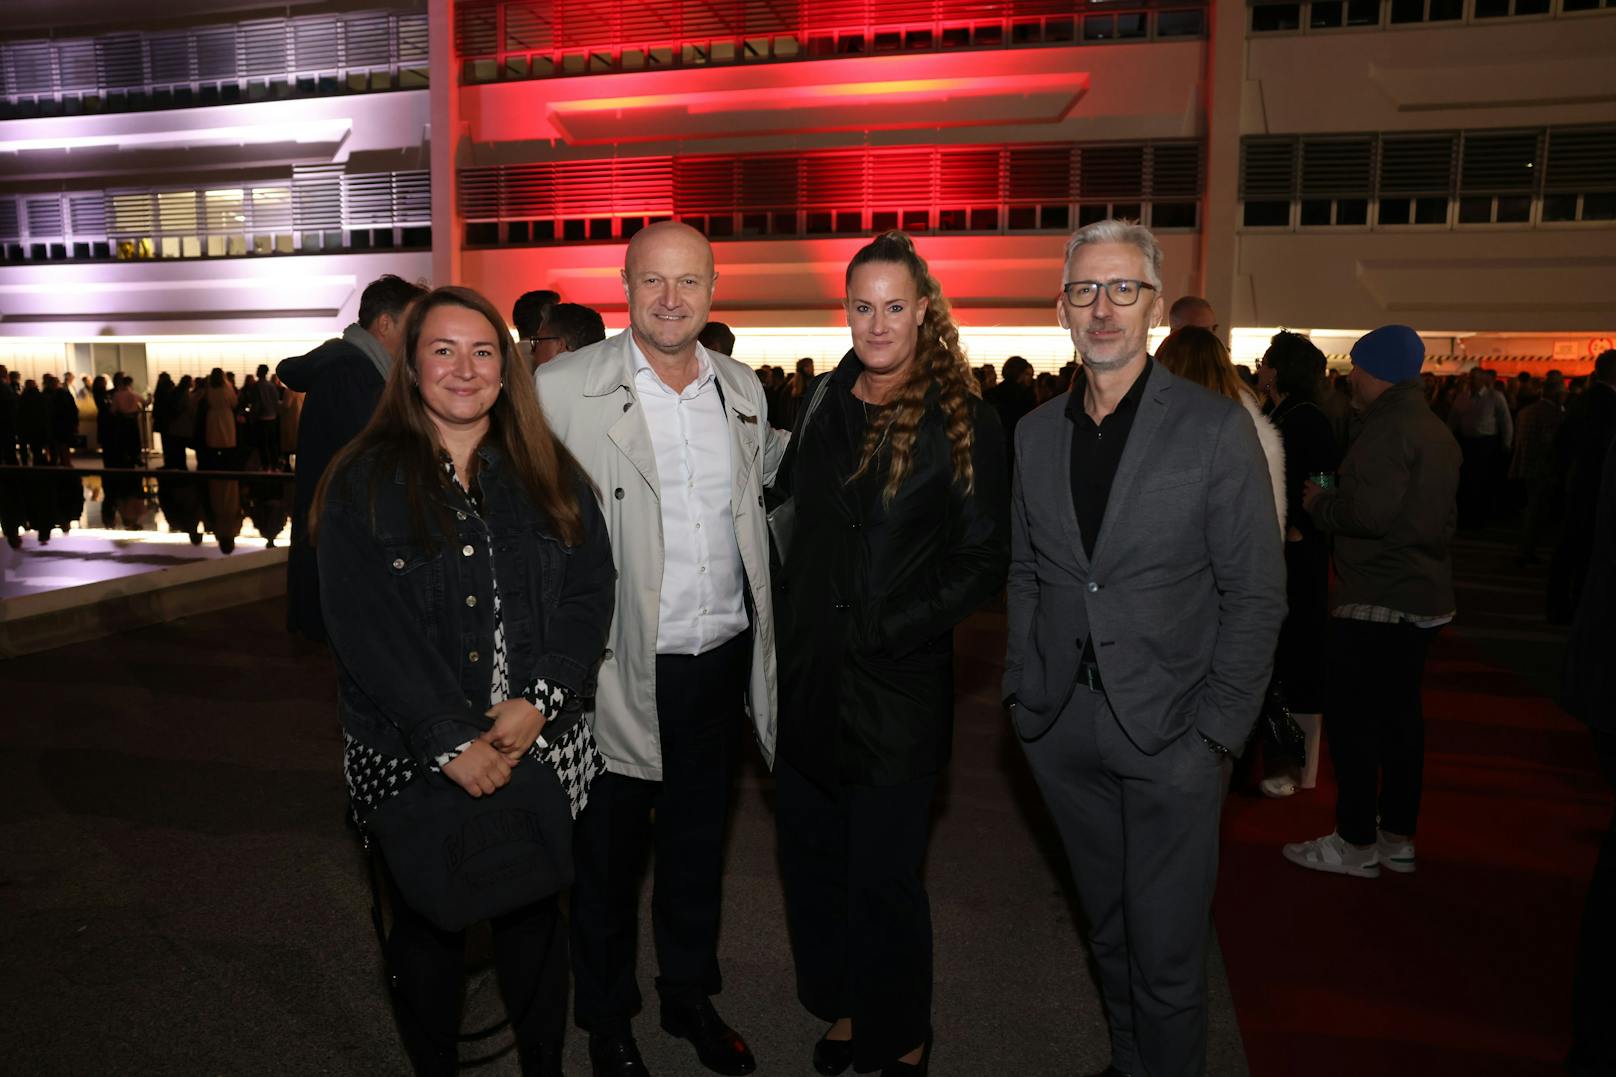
1088,675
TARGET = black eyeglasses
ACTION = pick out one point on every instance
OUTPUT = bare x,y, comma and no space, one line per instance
1122,293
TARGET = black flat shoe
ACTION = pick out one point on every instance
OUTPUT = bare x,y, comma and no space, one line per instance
616,1056
899,1068
832,1056
719,1047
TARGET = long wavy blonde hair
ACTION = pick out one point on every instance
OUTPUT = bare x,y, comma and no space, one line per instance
939,364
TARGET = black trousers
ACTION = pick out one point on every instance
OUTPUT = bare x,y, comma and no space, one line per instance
859,917
1593,997
426,968
1375,725
700,704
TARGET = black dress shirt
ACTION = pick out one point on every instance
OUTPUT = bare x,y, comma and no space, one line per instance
1096,451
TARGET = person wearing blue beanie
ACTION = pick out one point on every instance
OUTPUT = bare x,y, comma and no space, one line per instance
1392,515
1392,353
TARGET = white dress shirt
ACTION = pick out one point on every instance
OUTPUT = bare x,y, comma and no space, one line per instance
703,583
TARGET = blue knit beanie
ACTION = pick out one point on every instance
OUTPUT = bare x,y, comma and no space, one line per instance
1391,353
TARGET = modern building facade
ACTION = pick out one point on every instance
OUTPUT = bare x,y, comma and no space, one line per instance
216,187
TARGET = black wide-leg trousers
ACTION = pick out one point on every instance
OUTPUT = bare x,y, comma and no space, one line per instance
857,910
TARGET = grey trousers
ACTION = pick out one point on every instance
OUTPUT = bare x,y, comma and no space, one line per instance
1141,832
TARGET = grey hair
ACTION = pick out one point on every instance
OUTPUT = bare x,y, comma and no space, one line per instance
1115,231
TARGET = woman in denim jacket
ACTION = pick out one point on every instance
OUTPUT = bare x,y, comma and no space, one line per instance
465,576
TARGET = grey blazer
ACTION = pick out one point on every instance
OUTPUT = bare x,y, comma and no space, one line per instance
1186,591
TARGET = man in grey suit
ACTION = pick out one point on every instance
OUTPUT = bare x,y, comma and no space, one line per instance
1147,586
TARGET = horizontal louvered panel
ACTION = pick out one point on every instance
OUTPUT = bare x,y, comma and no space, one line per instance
412,197
1499,163
44,216
263,47
1175,170
367,39
29,67
1581,159
1111,172
177,211
538,25
902,177
317,191
216,53
1041,174
968,176
368,200
314,44
413,39
10,219
131,213
1417,164
121,61
1267,168
907,177
704,184
87,214
476,27
170,56
270,208
76,64
834,180
1335,167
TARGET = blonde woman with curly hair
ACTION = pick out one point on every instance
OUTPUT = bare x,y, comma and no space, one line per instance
898,472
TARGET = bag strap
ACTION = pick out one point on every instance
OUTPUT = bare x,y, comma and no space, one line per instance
813,402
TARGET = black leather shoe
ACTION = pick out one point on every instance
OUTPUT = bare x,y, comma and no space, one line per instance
719,1047
832,1056
616,1056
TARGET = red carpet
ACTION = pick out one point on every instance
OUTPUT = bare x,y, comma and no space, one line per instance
1462,968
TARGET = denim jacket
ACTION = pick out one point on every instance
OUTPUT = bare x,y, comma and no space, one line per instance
411,622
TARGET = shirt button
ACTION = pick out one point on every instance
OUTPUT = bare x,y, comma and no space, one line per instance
471,600
698,525
704,611
398,563
704,568
465,551
1093,588
618,493
473,656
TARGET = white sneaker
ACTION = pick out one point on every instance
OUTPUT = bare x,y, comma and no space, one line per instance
1335,855
1398,856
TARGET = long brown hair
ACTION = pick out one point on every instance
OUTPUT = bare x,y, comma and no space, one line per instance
1197,355
402,432
939,363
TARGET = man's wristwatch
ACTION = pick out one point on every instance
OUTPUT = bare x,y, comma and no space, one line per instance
1214,747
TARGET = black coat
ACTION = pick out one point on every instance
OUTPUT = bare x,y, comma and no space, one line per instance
866,605
1588,689
343,388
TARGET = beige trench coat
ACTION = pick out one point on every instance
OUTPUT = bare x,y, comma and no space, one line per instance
590,402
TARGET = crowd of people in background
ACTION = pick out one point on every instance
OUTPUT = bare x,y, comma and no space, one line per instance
48,425
1291,605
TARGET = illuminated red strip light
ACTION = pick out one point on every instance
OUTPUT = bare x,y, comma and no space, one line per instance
859,180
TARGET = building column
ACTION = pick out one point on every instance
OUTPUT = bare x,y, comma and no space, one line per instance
1225,79
445,134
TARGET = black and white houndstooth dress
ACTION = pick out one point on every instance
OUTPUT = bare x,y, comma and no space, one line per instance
374,776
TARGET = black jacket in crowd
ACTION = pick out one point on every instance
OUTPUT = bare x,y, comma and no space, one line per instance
343,388
866,605
64,416
411,617
33,418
